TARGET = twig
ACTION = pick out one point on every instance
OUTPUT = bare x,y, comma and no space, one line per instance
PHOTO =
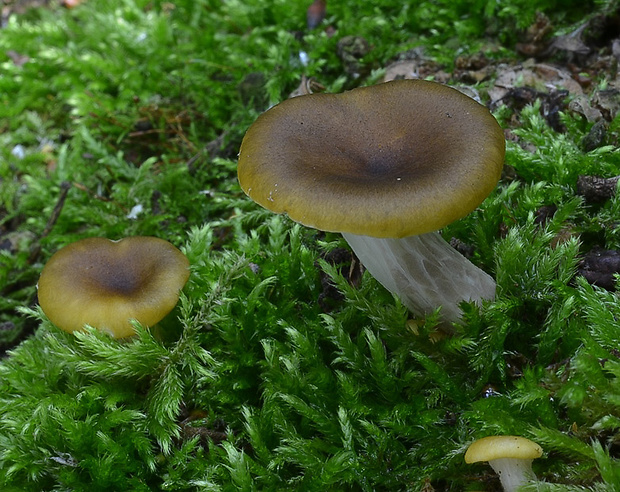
36,250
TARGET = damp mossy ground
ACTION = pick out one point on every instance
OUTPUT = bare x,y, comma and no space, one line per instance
282,368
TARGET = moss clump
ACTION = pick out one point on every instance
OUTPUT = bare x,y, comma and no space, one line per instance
284,367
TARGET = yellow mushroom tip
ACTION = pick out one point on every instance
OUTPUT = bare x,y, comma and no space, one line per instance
498,447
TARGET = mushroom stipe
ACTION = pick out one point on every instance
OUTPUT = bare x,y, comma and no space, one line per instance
383,164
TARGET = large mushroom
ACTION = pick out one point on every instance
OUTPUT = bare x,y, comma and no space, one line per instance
106,284
387,166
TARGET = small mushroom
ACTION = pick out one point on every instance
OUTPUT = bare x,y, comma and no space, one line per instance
105,284
510,456
387,166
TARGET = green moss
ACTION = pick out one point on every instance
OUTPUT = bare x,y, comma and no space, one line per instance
281,368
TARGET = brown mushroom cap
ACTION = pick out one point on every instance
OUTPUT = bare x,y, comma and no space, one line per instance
392,160
106,283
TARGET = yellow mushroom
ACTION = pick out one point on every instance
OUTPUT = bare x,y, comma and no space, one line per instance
510,456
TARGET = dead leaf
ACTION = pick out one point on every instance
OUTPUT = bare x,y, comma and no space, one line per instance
541,77
570,42
307,85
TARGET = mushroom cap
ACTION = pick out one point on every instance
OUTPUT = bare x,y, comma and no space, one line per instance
105,284
497,447
392,160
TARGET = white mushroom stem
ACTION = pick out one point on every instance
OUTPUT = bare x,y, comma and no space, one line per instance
424,271
513,472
